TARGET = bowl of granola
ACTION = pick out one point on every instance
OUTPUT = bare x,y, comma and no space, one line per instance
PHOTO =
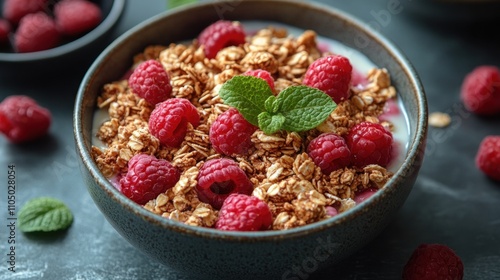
249,146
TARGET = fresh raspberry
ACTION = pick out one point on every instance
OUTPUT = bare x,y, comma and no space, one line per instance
331,74
4,31
329,151
22,119
36,32
219,35
169,120
433,262
230,133
488,157
370,143
75,17
218,178
151,82
15,10
147,177
241,212
263,74
480,91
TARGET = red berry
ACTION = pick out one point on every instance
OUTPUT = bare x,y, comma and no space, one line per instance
488,157
147,177
329,151
169,119
263,74
218,178
74,17
36,32
331,74
22,119
14,10
480,90
370,143
244,213
151,82
230,133
219,35
433,262
4,31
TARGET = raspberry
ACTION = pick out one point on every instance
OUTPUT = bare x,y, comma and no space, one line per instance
230,133
15,10
4,31
331,74
370,143
433,262
22,119
218,178
488,157
244,213
263,74
74,17
147,177
480,91
36,32
329,151
169,120
219,35
151,82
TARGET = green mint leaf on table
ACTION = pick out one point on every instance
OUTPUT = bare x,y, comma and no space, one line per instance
247,94
297,108
44,214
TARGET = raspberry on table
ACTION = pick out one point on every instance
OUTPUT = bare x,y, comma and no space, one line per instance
22,119
36,32
218,178
15,10
488,157
151,82
370,143
147,177
331,74
4,31
241,212
329,151
433,262
169,120
219,35
230,133
75,17
480,90
263,74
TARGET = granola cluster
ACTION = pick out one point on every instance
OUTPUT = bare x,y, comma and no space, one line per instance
284,176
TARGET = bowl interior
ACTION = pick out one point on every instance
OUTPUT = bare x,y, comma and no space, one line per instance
164,29
111,10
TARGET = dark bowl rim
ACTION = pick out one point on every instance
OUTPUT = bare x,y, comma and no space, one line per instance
109,21
413,153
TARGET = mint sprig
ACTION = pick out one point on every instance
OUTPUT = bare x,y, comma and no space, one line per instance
297,108
44,214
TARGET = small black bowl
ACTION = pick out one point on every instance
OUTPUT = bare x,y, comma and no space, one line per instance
70,52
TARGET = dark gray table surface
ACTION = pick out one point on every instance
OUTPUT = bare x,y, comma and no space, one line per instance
451,203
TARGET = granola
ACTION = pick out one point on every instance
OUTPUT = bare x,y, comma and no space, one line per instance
283,174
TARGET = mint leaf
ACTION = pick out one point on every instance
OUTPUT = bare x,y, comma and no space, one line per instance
271,123
44,214
248,94
304,107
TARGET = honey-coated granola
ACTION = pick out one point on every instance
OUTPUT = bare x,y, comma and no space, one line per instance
283,174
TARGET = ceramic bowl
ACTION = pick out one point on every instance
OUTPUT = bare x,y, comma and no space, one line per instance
69,51
212,254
